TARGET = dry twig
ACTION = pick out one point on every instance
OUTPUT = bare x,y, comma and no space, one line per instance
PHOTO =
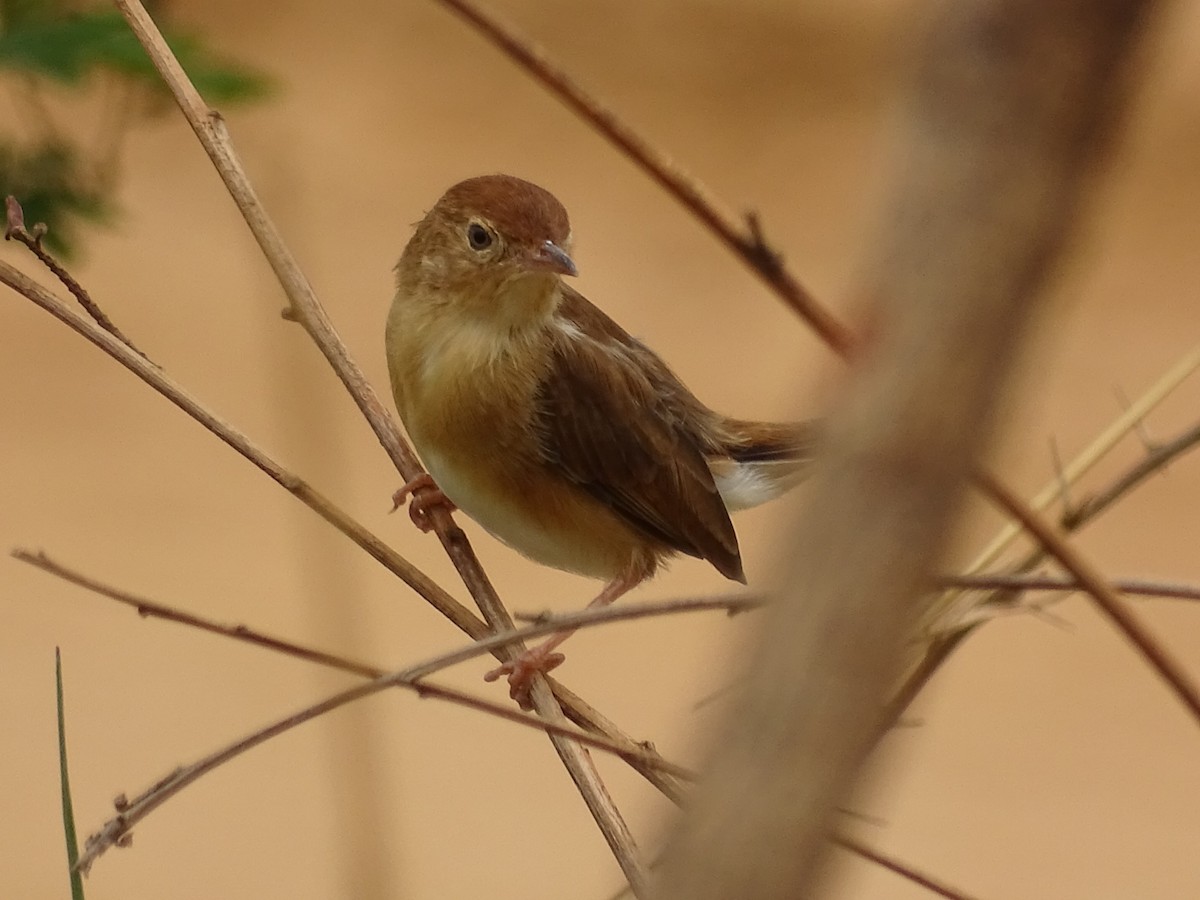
747,244
1095,451
936,885
15,230
130,813
1164,662
1155,460
119,829
1022,582
948,639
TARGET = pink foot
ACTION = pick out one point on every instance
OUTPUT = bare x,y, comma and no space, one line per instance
522,670
430,496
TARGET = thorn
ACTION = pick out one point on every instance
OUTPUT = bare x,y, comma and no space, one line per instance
866,818
1064,484
288,314
538,618
769,258
1041,611
1139,426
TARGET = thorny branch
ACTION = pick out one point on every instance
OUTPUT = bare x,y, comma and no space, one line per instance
1157,458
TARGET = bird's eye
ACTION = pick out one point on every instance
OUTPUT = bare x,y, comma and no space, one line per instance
478,237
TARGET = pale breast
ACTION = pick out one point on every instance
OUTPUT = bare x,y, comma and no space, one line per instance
468,409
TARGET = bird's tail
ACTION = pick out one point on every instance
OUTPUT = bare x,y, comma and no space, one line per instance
758,461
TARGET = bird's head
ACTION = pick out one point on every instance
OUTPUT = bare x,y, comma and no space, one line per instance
496,244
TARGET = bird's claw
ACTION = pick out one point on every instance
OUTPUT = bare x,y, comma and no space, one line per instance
522,671
425,496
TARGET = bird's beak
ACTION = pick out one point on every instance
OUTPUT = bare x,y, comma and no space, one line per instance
552,258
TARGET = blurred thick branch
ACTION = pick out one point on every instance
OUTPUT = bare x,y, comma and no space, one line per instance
1012,108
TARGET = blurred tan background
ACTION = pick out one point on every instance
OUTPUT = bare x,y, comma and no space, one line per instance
1047,761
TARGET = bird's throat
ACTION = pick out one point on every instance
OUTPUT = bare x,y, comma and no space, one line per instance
522,302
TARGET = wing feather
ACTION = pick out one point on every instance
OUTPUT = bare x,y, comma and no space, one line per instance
617,422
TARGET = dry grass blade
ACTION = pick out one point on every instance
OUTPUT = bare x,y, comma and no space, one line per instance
1095,451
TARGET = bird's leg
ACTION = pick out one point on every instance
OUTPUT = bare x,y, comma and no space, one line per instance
425,495
543,658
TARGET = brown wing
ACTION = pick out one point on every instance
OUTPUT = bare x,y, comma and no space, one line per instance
618,423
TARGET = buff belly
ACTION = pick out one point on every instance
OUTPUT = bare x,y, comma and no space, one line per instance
542,516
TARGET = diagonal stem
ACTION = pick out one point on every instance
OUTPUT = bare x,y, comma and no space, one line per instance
748,245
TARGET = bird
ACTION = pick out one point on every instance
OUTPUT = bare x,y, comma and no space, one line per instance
546,422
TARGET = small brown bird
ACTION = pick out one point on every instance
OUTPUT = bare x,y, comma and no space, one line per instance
547,423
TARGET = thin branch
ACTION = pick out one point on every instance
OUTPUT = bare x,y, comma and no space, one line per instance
173,391
151,609
307,310
1154,460
1156,654
857,847
132,812
1022,582
14,229
944,643
904,870
115,832
1140,428
1095,451
749,245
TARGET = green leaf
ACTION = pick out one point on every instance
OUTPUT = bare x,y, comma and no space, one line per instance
51,188
68,810
68,48
15,13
